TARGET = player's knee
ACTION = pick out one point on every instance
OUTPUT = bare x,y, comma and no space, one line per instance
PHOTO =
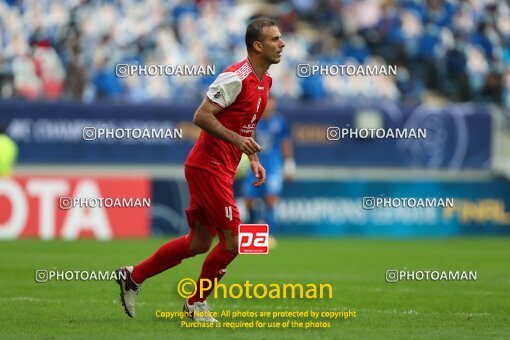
199,247
231,245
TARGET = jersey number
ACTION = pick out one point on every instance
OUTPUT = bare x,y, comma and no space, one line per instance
228,212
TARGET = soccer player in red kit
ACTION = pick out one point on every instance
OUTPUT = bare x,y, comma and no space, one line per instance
228,115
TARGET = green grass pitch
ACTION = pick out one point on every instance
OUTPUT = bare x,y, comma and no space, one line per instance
355,267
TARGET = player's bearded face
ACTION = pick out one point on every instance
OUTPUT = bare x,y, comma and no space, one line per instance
272,44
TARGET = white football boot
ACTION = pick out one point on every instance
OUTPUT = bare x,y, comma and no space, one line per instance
199,311
128,289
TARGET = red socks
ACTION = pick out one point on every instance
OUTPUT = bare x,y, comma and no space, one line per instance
172,253
214,266
167,256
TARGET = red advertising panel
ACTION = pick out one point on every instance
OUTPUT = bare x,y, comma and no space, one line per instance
74,207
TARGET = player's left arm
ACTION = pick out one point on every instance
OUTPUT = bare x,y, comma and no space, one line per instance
256,167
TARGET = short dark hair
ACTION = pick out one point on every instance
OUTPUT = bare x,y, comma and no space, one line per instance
254,30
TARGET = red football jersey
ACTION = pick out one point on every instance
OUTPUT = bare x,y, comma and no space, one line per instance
242,98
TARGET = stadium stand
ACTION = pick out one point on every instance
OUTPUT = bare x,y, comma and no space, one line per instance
458,50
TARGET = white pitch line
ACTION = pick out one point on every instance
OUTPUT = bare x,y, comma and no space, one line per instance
32,299
21,298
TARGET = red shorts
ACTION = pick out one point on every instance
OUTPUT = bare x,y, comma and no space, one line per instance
212,201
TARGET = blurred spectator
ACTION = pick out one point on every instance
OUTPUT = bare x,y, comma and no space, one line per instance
53,49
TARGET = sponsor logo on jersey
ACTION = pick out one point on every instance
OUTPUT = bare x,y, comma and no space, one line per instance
248,128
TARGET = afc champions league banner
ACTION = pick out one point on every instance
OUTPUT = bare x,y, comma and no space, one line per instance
337,208
457,136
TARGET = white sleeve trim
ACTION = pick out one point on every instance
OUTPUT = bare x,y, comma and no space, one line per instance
225,89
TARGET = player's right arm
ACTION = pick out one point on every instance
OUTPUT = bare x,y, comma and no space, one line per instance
222,93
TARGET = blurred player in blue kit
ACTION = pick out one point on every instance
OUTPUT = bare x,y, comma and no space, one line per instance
278,159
